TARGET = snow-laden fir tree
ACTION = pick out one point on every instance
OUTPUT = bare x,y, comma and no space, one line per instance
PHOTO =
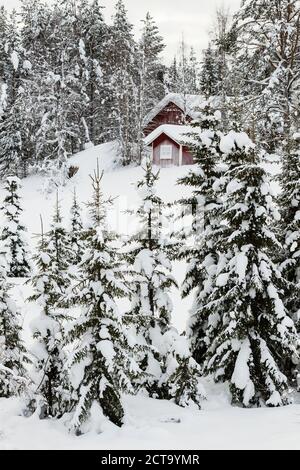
150,75
163,355
59,101
250,333
13,355
81,39
17,134
183,75
35,44
193,72
123,106
11,153
101,364
267,44
52,88
210,74
289,202
181,375
171,77
3,32
92,33
60,250
49,358
76,232
222,41
12,54
200,249
14,244
148,274
12,119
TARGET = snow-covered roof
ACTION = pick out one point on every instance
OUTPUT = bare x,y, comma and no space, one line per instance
175,132
187,103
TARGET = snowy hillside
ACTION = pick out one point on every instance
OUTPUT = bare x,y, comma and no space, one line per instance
149,423
119,184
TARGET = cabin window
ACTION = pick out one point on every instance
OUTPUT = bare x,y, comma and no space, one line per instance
166,152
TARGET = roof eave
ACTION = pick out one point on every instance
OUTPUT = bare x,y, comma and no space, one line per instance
163,131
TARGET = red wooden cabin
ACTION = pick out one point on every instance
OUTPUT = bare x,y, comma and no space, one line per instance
165,126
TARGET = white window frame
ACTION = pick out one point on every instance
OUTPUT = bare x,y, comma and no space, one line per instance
166,152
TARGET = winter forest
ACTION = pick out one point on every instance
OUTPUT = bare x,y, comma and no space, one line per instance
188,318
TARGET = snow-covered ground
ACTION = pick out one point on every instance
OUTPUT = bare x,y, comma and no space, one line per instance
150,424
154,424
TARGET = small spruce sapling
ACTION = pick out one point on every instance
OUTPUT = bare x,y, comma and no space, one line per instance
14,243
76,243
49,361
13,355
101,367
60,252
163,355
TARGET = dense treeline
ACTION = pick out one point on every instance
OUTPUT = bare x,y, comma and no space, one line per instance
69,79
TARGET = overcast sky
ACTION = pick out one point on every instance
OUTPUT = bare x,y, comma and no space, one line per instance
192,18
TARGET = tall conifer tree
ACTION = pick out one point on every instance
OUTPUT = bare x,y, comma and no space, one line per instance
13,355
163,355
14,243
201,252
49,363
102,353
249,332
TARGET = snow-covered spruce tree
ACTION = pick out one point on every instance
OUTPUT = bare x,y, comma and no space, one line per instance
289,226
13,236
267,36
123,106
15,119
12,54
200,250
102,366
250,333
93,82
150,75
182,76
162,354
193,72
58,98
60,251
3,32
222,40
13,355
49,359
29,109
171,77
181,378
210,74
11,154
76,243
147,276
